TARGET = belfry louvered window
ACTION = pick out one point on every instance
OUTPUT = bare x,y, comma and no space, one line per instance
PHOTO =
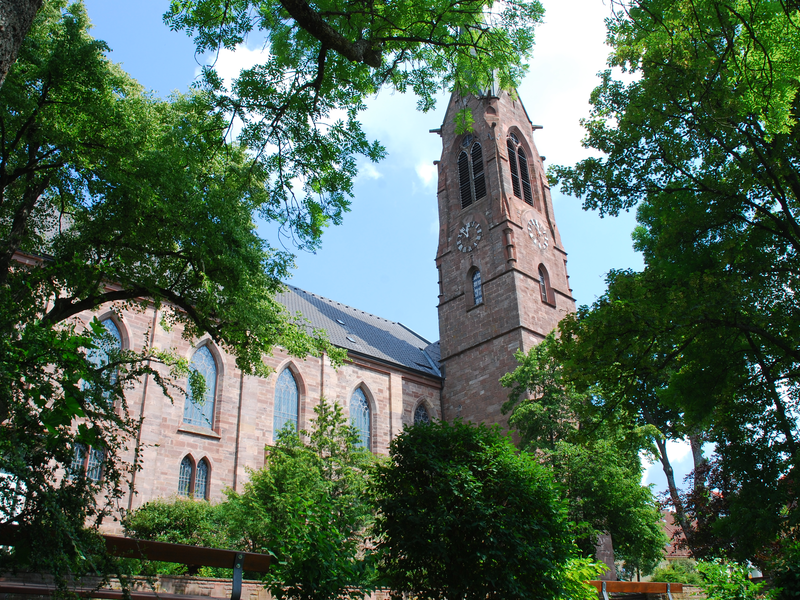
471,177
520,176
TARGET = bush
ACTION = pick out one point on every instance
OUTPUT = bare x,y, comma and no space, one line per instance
462,515
681,570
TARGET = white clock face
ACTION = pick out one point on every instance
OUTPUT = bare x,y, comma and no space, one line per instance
538,234
468,237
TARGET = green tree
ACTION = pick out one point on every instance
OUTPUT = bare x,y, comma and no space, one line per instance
594,456
308,507
704,141
110,196
462,515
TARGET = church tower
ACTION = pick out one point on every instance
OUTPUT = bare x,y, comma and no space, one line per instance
503,281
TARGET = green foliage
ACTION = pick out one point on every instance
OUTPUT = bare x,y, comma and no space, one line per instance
786,571
178,521
728,581
681,570
576,573
462,515
308,508
703,141
594,457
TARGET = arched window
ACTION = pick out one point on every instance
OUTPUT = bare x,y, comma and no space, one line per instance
286,402
471,178
202,413
201,481
520,177
185,477
94,464
421,415
545,290
360,417
477,287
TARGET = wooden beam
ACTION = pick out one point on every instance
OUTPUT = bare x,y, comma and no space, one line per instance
637,587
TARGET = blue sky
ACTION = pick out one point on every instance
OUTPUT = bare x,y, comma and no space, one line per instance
381,259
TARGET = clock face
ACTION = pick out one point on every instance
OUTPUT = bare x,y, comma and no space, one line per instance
538,234
468,237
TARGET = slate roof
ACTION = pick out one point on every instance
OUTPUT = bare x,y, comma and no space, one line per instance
363,333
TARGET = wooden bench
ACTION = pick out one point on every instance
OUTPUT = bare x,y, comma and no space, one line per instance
148,550
636,587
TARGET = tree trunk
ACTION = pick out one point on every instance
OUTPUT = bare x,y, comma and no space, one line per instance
16,17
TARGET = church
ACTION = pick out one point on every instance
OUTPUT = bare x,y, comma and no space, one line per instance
503,286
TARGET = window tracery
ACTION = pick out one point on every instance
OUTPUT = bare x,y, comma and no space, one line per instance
287,402
202,413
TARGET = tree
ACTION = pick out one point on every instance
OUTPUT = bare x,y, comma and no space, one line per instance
110,196
594,458
16,19
704,142
462,515
308,507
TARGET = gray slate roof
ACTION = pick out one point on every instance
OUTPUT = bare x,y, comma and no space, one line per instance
363,333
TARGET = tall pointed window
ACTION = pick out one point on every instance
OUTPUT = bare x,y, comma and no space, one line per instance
520,176
286,402
86,461
201,481
185,477
201,412
102,354
360,417
477,287
471,177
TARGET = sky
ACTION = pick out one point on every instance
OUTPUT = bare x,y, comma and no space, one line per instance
381,259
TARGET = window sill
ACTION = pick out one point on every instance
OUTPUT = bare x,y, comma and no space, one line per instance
197,430
474,306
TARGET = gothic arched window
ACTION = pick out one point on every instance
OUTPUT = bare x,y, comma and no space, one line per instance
471,179
477,287
287,399
520,177
421,415
360,417
201,480
185,477
86,461
202,413
545,290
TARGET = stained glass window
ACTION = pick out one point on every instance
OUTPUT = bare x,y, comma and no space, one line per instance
185,477
477,288
286,402
201,480
360,417
202,413
94,466
421,415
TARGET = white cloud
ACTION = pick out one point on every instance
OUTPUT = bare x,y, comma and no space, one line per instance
368,171
427,172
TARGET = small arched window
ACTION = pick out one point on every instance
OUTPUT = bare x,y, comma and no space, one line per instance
360,417
471,178
201,481
477,287
185,477
287,399
201,412
520,176
545,290
421,415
